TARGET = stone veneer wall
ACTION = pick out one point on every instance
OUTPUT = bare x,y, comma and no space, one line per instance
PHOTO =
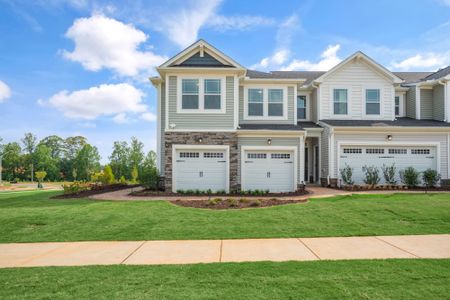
208,138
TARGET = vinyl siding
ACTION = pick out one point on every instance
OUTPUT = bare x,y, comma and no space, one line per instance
410,102
262,141
398,137
163,129
313,105
290,109
426,104
324,172
356,77
202,120
438,103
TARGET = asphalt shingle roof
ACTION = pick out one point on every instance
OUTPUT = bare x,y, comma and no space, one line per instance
439,74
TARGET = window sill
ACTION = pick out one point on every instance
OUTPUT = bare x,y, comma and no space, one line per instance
197,111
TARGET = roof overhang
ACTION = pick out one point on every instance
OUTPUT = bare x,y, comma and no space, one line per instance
269,133
387,129
272,80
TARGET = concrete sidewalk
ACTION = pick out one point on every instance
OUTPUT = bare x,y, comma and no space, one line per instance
214,251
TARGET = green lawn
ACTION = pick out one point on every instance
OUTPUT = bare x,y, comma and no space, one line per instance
33,217
371,279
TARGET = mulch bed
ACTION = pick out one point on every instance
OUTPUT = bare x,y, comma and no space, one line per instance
97,190
363,188
152,193
235,203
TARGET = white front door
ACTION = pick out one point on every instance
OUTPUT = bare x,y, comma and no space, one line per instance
203,170
268,170
419,157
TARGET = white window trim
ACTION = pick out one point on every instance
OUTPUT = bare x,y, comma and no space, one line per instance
308,108
349,102
201,95
364,100
265,115
225,148
402,111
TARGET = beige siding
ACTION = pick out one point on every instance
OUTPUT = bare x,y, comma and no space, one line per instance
426,104
410,102
163,128
262,141
438,103
356,77
410,138
290,109
202,120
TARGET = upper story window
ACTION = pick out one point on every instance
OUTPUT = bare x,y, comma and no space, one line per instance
301,107
340,101
201,95
262,102
372,102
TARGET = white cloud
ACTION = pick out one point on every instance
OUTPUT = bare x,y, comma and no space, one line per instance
329,59
428,61
148,116
224,23
278,58
444,2
5,91
103,100
121,118
102,42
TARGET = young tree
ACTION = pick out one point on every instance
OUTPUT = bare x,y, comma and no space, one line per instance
40,175
29,144
44,161
87,162
134,174
108,175
149,176
136,154
119,159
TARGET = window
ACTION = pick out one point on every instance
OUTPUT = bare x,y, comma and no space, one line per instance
190,94
352,150
420,151
189,154
255,102
257,155
372,102
398,151
275,102
340,101
397,105
301,107
280,156
375,151
212,94
213,155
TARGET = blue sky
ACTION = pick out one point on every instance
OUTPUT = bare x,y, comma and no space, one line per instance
80,67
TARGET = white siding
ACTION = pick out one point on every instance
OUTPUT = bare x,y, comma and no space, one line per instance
356,77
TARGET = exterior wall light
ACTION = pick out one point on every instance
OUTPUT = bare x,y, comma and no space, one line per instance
200,140
269,141
389,137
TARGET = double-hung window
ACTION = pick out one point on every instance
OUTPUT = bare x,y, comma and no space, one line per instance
340,101
255,102
201,95
190,94
372,102
397,105
301,107
275,102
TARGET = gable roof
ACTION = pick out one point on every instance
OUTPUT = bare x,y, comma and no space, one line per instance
439,74
367,59
410,77
201,54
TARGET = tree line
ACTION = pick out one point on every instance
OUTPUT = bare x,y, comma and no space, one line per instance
70,159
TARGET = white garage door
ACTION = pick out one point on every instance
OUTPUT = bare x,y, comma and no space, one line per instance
268,170
420,157
200,169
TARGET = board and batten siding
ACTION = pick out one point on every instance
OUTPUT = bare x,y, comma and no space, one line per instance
410,102
162,152
290,109
438,103
409,138
356,77
426,104
262,141
214,121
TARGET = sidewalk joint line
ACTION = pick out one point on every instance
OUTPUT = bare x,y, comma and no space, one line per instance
397,247
304,244
221,246
133,252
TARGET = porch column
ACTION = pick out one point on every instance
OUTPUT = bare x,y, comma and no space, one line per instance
302,160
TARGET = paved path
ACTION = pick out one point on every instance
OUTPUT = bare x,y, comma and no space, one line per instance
215,251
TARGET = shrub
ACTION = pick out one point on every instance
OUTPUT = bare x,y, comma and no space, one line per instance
97,177
430,178
108,175
214,201
244,200
149,178
122,180
134,175
221,192
347,174
255,203
233,202
209,191
267,191
190,192
410,177
182,192
40,177
389,174
372,175
75,188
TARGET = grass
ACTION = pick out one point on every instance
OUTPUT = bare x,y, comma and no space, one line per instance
33,217
371,279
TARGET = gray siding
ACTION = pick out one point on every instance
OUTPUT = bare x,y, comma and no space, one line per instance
290,109
426,104
262,141
201,120
410,102
324,172
438,103
206,61
313,104
163,128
